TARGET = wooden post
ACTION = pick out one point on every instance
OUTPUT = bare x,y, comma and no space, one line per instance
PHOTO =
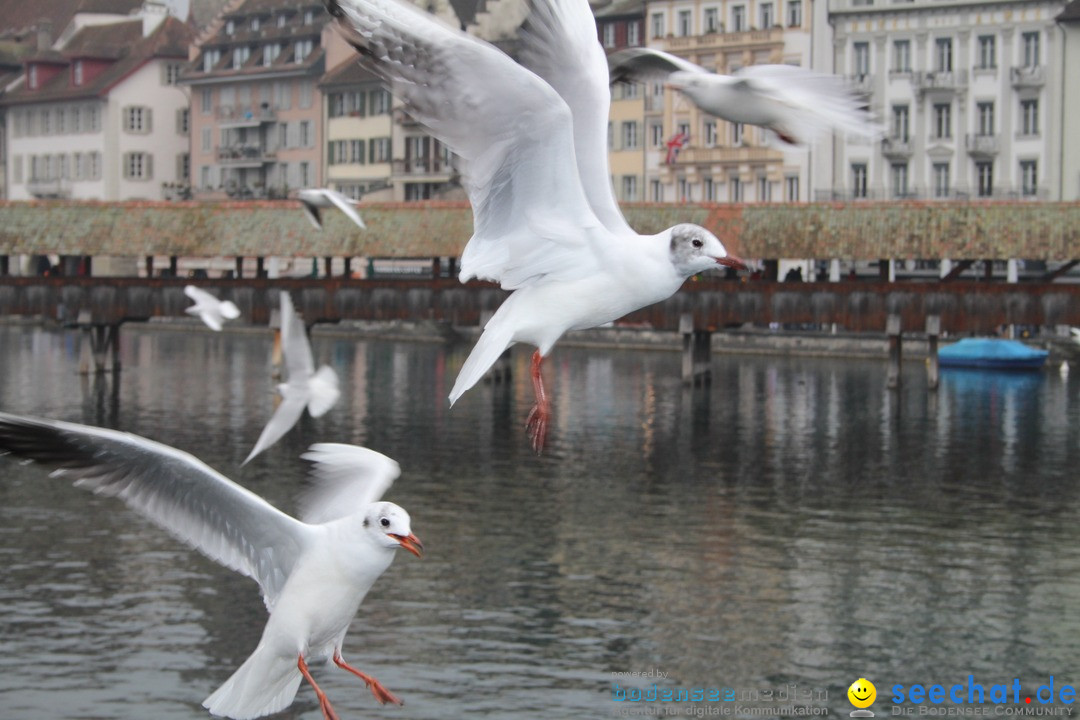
892,329
697,349
933,331
113,340
327,261
149,266
4,267
348,267
239,267
436,267
173,263
260,271
686,329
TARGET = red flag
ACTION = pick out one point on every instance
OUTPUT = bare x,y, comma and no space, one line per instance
676,143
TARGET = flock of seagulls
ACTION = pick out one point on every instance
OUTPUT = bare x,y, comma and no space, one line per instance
531,137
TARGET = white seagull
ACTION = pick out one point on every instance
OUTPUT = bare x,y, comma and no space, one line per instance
533,151
314,199
210,310
317,390
313,572
797,104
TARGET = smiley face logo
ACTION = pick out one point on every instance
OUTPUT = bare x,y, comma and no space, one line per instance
862,693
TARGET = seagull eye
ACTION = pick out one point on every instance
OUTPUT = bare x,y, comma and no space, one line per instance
384,522
697,243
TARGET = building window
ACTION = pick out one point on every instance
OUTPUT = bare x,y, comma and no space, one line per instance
305,174
794,13
1028,178
1029,117
630,91
629,188
709,133
302,50
737,134
307,94
609,35
230,27
379,150
335,152
858,180
137,119
629,135
987,52
942,121
735,189
183,167
94,166
282,95
206,102
656,135
899,180
738,18
984,175
356,152
633,34
183,121
138,166
32,77
764,189
240,56
210,59
77,72
900,122
712,20
902,56
305,133
270,53
791,188
309,17
380,102
1030,41
943,55
941,180
656,191
682,190
684,27
861,58
984,116
282,20
657,23
172,73
768,18
207,140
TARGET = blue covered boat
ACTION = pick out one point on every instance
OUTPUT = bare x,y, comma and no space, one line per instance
991,353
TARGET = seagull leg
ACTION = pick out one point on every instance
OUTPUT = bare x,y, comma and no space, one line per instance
377,688
537,423
324,702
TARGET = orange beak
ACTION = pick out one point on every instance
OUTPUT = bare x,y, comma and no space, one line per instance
411,543
732,262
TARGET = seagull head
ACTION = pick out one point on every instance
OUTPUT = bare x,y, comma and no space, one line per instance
692,84
388,525
694,249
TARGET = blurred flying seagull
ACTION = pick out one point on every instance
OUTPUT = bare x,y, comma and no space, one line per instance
317,390
797,104
313,572
210,310
533,151
314,199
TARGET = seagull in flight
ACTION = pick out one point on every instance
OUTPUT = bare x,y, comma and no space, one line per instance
210,310
317,390
532,141
315,199
797,104
313,572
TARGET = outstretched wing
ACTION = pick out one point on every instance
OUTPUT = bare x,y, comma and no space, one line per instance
285,416
346,477
294,342
346,207
511,130
175,490
559,43
640,64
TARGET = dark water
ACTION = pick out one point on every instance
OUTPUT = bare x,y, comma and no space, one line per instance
797,523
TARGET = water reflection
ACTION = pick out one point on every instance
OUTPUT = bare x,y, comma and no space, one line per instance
793,522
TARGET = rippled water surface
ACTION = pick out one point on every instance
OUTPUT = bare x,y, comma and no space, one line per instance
795,523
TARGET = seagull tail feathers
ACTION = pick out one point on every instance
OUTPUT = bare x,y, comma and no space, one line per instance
266,683
488,348
323,387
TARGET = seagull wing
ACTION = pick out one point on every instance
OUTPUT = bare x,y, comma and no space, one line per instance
294,399
294,342
175,490
560,45
312,213
199,296
346,207
809,103
511,130
345,478
323,391
640,64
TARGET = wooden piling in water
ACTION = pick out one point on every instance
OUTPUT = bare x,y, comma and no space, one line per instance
933,331
697,351
892,330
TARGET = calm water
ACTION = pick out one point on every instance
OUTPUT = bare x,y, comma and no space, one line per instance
796,523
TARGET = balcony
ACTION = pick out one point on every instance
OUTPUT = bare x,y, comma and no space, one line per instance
422,166
245,155
244,115
729,155
896,148
1028,77
51,188
720,41
949,81
862,84
983,146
